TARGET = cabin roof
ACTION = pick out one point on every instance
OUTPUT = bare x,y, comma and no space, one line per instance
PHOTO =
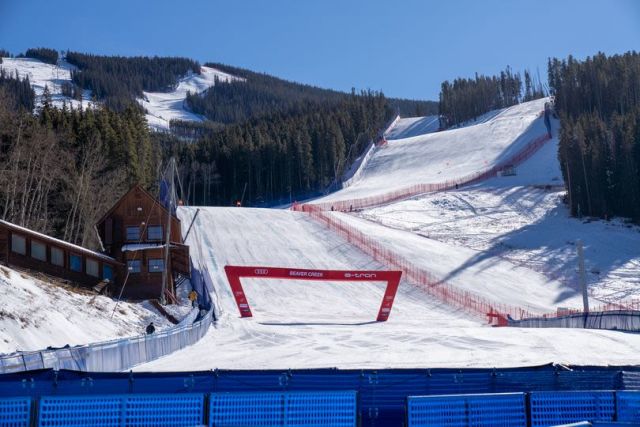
125,195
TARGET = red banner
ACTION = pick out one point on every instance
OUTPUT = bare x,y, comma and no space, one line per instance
234,273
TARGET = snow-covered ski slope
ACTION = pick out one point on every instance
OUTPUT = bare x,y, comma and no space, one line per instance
162,107
413,126
316,324
41,74
491,239
36,314
448,155
522,219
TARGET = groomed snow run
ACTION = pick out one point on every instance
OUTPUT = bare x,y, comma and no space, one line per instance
36,314
522,219
413,126
42,74
299,324
448,155
162,107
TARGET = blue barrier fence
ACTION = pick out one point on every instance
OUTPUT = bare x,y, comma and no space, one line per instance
541,409
331,409
15,412
553,408
505,410
116,355
320,409
161,410
382,394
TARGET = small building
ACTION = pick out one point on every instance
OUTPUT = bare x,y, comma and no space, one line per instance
26,248
134,232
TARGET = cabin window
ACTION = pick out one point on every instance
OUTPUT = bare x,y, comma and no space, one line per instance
154,232
156,265
57,256
93,269
133,233
38,250
18,244
75,262
107,272
134,265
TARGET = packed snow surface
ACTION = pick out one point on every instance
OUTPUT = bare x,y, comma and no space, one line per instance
36,314
162,107
42,74
448,155
308,324
508,239
413,126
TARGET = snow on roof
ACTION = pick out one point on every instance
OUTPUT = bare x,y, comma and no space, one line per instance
57,241
141,246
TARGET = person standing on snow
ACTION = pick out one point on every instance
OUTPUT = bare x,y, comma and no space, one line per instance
150,329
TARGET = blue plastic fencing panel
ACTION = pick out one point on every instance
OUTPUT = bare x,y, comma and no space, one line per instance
628,406
550,408
318,409
136,410
504,409
164,410
446,411
15,412
80,411
270,409
246,409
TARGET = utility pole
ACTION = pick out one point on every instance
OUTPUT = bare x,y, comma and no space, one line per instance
167,239
583,278
243,191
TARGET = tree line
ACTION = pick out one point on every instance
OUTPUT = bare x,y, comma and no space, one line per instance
117,81
18,93
598,101
256,95
466,99
63,168
4,53
281,156
44,54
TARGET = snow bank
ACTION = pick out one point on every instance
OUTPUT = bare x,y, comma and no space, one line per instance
35,314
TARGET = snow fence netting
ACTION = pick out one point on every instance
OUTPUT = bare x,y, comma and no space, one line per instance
365,202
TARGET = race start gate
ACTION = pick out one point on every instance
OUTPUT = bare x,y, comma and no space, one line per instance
234,273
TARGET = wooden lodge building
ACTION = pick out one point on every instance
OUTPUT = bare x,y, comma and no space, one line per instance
133,234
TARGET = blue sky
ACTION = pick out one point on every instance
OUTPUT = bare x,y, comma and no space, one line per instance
404,48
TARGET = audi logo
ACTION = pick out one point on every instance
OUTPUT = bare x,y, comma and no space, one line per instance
261,271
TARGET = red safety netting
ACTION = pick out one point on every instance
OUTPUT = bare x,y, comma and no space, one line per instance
496,312
462,299
350,204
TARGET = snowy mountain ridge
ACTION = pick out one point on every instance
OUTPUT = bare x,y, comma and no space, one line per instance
161,107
